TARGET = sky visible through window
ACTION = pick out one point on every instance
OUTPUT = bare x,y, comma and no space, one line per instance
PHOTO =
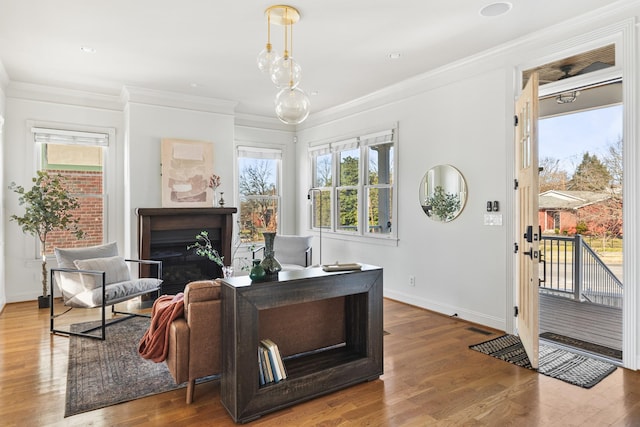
569,136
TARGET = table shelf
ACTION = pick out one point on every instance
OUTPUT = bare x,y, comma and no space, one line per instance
310,374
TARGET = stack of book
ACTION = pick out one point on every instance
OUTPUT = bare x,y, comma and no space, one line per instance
270,366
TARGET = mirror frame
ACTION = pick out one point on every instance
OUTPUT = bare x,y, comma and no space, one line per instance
445,187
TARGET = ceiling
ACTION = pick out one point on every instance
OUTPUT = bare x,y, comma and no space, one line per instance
208,47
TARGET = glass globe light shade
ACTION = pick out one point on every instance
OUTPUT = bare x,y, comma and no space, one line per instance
265,59
292,106
286,73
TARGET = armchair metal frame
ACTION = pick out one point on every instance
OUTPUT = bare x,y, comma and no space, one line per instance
103,323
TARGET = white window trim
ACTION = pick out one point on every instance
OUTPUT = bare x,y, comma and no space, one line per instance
260,151
106,137
369,138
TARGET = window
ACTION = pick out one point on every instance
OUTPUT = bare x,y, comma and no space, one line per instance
322,181
259,191
360,199
79,158
556,220
348,185
379,186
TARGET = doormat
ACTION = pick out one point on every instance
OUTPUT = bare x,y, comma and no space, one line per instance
104,373
553,362
583,345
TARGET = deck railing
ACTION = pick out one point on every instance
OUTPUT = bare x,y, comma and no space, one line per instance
570,267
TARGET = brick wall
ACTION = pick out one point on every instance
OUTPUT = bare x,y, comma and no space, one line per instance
82,183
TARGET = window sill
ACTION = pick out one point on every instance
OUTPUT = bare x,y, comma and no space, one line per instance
381,241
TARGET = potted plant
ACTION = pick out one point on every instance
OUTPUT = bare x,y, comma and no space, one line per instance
48,206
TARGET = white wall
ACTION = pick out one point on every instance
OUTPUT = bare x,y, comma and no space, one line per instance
3,293
462,114
459,266
22,273
146,124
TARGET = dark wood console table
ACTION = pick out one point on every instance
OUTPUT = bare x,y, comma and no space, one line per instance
309,375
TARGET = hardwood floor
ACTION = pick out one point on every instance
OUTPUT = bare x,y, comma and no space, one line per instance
431,378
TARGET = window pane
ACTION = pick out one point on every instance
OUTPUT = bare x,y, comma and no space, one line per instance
349,167
259,195
257,214
72,157
321,203
348,210
379,203
258,177
322,171
380,164
81,169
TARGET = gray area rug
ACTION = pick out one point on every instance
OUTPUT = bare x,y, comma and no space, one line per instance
104,373
553,362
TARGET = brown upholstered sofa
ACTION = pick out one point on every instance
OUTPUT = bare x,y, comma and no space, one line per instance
194,340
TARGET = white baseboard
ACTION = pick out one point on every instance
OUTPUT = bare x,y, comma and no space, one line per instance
448,310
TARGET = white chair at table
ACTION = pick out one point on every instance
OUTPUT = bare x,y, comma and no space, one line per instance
292,252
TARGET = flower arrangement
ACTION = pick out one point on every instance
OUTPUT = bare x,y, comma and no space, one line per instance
204,248
214,181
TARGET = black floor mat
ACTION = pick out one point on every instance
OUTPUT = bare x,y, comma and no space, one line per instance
583,345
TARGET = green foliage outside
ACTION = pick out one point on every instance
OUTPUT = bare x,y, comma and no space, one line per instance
590,175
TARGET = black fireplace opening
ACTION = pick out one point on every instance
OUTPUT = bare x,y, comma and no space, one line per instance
179,265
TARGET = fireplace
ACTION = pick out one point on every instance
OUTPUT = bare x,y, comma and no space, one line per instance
165,233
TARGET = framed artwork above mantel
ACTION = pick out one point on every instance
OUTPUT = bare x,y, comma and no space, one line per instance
186,168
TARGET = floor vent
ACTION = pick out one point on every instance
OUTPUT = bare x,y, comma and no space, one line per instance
480,331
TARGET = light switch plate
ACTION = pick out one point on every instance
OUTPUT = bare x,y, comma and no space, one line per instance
492,219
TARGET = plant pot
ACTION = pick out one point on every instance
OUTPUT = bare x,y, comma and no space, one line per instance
43,302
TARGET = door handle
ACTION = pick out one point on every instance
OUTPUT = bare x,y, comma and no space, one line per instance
530,235
532,254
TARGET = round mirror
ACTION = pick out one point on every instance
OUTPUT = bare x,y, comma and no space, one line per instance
443,193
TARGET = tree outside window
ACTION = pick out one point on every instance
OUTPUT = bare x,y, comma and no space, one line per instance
360,199
259,192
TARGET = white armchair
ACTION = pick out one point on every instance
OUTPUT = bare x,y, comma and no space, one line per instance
96,277
292,252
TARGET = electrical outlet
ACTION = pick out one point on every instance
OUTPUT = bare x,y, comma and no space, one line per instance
412,280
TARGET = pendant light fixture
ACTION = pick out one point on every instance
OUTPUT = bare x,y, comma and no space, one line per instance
292,104
267,55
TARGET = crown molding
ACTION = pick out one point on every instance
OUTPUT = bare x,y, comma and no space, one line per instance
601,20
139,95
262,122
58,95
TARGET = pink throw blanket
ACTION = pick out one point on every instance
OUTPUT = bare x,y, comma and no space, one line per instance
154,345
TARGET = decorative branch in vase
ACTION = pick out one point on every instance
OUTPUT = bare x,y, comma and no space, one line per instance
204,247
214,183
